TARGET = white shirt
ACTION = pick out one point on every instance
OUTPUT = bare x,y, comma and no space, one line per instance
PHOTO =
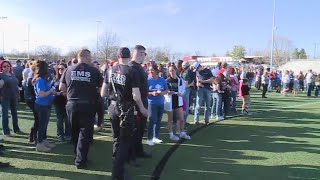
309,77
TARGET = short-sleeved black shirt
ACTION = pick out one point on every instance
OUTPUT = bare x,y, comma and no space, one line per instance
143,78
205,74
174,86
124,79
82,82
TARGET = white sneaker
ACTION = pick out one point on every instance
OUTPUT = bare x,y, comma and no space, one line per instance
184,135
174,138
47,144
156,140
150,142
219,118
41,147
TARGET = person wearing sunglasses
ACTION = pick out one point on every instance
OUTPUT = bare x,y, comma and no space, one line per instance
9,98
59,102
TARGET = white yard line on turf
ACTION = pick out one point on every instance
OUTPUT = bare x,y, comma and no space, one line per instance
274,109
33,147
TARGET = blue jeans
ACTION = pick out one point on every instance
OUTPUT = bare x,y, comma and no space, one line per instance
234,100
226,102
316,93
309,89
12,104
155,116
270,85
44,115
62,118
203,94
217,104
186,97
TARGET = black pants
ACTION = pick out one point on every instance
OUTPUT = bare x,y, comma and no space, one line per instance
81,117
122,139
34,128
140,128
100,111
258,83
264,89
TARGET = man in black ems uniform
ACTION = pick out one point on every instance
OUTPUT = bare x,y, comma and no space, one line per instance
124,93
138,56
81,82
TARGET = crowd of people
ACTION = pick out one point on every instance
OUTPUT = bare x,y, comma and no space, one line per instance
134,94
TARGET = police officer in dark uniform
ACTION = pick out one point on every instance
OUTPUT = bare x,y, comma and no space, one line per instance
123,88
81,82
138,56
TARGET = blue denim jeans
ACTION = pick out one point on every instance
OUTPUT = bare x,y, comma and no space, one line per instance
203,94
63,124
12,104
217,104
186,97
226,102
270,85
234,101
155,116
309,89
44,115
316,93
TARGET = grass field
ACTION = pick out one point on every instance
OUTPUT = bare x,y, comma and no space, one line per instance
279,140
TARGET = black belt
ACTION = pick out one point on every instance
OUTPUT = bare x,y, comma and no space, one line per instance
81,101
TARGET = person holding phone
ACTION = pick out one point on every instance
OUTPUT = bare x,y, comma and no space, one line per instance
176,90
44,97
60,102
157,89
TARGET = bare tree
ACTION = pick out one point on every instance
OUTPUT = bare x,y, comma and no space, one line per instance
72,54
160,54
197,53
48,53
283,49
282,52
108,44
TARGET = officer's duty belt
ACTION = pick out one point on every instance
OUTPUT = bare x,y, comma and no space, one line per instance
121,104
81,101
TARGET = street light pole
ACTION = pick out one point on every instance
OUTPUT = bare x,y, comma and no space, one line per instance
28,41
315,51
2,19
273,29
98,23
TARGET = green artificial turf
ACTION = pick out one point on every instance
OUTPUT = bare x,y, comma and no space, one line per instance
279,140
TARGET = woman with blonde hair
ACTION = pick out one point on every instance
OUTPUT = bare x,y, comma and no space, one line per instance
30,97
176,89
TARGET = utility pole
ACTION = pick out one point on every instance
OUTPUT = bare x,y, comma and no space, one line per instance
315,51
2,19
273,29
28,41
